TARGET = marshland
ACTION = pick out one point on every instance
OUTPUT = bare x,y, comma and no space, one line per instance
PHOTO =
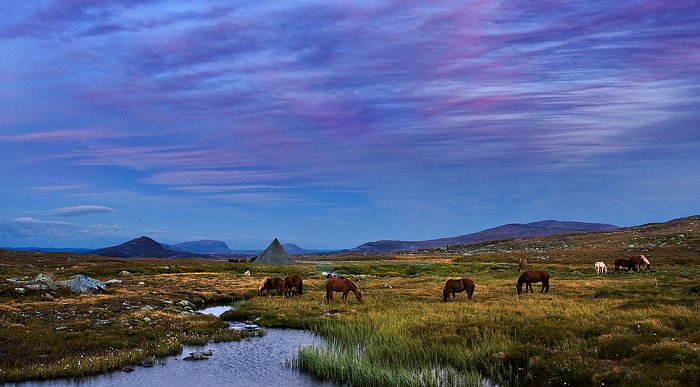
622,327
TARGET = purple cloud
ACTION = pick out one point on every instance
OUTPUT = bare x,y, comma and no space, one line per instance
326,102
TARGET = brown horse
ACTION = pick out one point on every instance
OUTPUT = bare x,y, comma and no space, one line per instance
622,262
271,283
521,264
639,260
533,276
344,285
293,284
453,286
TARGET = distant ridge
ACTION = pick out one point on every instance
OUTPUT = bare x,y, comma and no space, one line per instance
142,247
507,231
206,246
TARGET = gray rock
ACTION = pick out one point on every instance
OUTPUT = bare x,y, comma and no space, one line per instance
36,287
186,304
48,296
387,286
83,284
147,308
124,273
330,313
64,283
113,281
20,290
141,283
46,280
196,356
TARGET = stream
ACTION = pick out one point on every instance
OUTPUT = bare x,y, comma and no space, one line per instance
251,362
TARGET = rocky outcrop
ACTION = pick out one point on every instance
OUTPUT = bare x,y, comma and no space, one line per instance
82,284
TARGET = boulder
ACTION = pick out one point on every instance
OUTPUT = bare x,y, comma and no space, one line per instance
197,356
45,280
186,304
83,284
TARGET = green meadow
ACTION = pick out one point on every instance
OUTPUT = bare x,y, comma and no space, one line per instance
621,328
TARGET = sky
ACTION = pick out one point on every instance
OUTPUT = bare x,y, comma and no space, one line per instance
333,123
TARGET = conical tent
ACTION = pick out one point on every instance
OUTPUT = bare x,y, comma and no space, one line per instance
274,254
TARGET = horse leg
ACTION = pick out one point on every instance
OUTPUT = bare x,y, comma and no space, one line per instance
529,286
345,296
329,295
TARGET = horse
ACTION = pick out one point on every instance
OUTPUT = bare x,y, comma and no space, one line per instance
344,285
600,268
529,277
639,260
293,284
456,286
622,262
521,264
271,283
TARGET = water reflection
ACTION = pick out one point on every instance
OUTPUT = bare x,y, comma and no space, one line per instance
251,362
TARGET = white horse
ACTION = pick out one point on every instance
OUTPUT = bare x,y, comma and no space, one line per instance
600,268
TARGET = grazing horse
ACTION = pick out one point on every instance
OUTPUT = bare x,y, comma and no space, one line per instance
622,262
600,268
271,283
293,284
521,264
344,285
639,260
456,286
533,276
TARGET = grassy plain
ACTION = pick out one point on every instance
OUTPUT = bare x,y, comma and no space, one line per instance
615,329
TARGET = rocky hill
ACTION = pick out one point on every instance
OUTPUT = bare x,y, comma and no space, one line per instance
142,247
507,231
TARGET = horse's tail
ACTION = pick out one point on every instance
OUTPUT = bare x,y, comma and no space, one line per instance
301,286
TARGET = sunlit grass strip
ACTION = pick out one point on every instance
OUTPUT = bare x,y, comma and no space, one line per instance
330,364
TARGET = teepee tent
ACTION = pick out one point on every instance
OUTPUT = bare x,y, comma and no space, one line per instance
274,254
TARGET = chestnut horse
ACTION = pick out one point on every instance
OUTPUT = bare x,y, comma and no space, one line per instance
271,283
456,286
521,264
639,260
344,285
533,276
293,284
622,262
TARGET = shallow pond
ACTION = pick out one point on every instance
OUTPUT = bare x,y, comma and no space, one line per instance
251,362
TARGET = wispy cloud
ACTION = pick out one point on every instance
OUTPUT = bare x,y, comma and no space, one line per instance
78,211
299,103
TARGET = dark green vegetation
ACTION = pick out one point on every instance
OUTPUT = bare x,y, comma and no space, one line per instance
621,328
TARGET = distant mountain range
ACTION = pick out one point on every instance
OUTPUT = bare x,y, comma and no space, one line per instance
146,247
507,231
141,247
